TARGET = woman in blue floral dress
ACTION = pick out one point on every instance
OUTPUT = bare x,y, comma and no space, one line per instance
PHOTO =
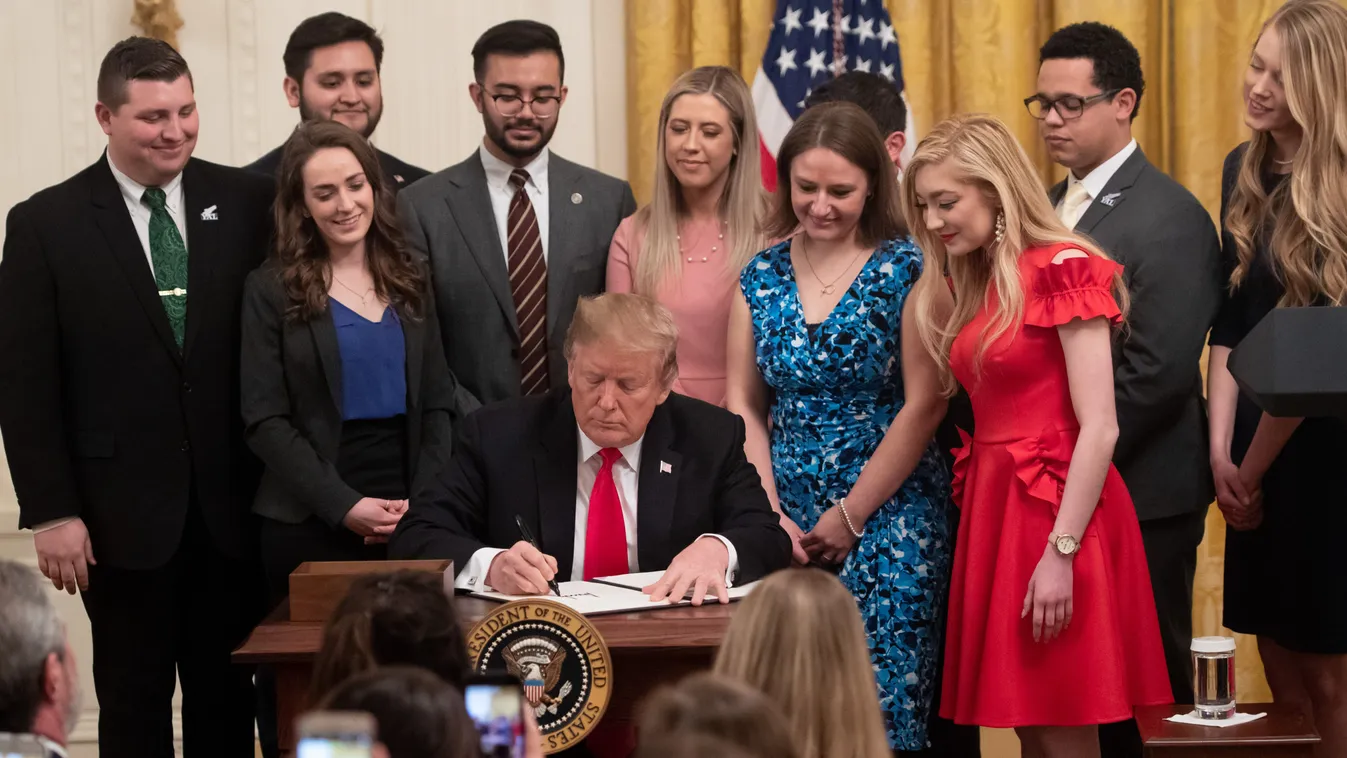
821,357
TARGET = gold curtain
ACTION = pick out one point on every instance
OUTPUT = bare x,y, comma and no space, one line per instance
982,55
158,19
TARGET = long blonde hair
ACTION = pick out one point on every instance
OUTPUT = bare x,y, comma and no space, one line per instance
984,152
1308,213
742,202
798,638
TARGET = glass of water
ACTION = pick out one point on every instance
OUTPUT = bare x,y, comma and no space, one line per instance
1214,676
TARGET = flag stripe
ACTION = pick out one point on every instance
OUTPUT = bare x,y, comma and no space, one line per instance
811,42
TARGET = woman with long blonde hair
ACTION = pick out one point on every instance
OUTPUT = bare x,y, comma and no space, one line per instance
798,639
1281,482
686,247
1052,626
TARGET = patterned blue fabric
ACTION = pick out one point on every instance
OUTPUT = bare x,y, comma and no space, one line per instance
835,394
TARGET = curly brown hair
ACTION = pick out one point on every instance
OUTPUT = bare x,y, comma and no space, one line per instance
399,278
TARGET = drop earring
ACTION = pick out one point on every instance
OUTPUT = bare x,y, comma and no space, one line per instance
1000,229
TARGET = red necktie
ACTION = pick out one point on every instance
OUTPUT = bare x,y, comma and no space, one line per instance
528,286
606,532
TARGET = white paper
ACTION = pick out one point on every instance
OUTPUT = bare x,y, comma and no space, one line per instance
593,599
647,578
1234,720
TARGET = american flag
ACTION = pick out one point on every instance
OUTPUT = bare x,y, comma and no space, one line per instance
813,41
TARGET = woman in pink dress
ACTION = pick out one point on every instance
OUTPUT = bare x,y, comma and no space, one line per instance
687,246
1052,627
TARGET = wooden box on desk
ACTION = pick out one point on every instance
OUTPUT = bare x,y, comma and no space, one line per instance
317,588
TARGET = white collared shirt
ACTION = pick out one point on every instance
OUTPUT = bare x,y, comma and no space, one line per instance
52,747
498,186
1097,180
626,472
133,192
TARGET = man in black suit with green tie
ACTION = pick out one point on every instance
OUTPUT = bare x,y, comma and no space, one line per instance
1089,90
119,405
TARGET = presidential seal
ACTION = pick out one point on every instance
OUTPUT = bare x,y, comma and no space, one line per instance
558,655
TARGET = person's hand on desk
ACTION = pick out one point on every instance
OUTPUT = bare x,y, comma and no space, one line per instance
374,518
64,555
700,567
522,570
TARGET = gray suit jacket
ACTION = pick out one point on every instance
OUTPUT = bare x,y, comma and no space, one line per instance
448,218
1171,263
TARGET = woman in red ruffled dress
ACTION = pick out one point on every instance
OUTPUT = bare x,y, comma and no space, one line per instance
1052,627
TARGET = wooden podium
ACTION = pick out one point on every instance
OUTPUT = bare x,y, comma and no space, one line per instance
648,649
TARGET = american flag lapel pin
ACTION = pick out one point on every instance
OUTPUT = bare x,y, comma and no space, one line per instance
665,468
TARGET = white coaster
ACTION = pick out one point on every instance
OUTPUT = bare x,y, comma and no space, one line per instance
1234,720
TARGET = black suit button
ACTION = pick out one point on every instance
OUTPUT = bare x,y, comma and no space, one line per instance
186,387
186,446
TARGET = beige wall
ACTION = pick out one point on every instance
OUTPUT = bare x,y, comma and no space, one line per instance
52,49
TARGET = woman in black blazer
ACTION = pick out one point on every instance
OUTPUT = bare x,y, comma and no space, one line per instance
346,393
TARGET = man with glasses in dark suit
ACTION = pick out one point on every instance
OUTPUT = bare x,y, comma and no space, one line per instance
515,234
1089,91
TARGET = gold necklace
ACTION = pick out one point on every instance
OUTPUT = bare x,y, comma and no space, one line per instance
828,288
363,304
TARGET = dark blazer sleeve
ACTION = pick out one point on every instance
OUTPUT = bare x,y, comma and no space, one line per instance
628,201
414,233
31,415
744,516
1174,283
445,519
307,476
441,408
1230,328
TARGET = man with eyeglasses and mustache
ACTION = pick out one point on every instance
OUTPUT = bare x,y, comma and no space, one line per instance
515,234
1089,90
332,64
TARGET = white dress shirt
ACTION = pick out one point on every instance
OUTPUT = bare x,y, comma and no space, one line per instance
1095,181
626,472
498,186
133,191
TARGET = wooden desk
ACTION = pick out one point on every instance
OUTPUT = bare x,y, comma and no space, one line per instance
648,649
1285,732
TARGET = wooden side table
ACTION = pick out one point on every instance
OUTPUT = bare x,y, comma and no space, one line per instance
1285,732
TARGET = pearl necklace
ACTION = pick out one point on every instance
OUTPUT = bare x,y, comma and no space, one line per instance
720,239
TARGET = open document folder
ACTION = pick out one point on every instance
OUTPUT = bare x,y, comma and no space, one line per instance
615,594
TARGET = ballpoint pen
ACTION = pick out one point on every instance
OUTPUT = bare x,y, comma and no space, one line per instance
528,537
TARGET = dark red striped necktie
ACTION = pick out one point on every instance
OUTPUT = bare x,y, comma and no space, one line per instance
528,286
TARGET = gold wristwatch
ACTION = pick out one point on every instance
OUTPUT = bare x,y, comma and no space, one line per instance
1064,544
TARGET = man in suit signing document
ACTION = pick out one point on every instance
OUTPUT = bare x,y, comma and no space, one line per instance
614,475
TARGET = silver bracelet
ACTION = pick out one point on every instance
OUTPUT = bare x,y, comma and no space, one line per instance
842,506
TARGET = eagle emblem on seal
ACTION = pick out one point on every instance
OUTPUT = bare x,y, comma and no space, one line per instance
538,663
